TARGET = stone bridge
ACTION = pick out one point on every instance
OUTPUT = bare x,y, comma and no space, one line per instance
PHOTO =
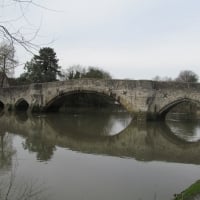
144,99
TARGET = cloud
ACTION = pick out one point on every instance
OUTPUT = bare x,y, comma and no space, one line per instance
139,36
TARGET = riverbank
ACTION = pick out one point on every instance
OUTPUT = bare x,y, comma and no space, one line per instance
191,193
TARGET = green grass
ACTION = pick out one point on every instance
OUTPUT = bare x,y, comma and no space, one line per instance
190,192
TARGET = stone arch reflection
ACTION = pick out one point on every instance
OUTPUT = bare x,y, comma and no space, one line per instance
92,124
21,105
189,131
146,142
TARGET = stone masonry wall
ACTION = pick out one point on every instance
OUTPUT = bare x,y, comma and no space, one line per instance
142,98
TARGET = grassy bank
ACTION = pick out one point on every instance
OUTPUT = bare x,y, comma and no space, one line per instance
190,192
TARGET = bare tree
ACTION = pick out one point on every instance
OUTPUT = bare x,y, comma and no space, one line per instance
74,72
187,76
158,78
7,61
77,72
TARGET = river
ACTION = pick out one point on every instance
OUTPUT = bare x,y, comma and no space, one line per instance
96,155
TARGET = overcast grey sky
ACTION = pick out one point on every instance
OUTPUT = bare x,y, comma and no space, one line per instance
135,39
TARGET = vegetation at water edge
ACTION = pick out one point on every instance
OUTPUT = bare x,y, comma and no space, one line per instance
189,193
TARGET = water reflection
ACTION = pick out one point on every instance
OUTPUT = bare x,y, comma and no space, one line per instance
188,131
41,145
12,188
93,123
6,151
146,142
78,156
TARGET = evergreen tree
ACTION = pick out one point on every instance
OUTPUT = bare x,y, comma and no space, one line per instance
43,67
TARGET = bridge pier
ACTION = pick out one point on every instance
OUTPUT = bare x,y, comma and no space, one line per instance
8,108
35,109
147,116
139,116
154,116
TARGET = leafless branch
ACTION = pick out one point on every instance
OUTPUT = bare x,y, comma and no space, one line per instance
37,5
19,39
18,36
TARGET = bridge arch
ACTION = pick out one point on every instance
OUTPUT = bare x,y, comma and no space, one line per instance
165,109
56,101
21,105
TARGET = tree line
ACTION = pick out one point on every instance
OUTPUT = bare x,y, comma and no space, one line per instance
44,67
184,76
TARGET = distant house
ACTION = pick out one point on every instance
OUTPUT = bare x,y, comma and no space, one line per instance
3,80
